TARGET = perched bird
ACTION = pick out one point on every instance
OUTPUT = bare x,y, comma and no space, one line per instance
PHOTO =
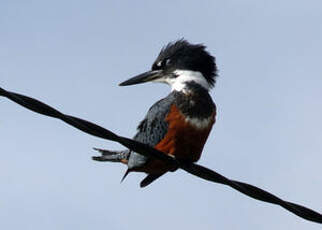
177,125
180,123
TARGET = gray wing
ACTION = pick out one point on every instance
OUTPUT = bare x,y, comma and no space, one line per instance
152,129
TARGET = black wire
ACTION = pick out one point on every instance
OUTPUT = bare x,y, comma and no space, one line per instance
194,169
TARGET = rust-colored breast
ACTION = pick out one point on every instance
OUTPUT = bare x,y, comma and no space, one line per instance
184,140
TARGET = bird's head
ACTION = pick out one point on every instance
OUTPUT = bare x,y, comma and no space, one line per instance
178,64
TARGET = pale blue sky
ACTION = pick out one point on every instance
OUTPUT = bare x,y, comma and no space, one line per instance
72,55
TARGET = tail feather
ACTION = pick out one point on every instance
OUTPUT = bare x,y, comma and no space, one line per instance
112,156
149,179
125,175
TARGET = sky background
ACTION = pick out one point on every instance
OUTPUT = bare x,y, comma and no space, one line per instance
72,55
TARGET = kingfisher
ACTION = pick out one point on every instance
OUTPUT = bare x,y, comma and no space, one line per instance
179,124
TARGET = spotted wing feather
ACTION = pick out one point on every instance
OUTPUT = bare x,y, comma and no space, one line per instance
152,129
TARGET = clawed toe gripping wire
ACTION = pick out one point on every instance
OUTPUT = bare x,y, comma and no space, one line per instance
194,169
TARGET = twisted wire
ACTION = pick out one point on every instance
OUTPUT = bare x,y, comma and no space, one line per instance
192,168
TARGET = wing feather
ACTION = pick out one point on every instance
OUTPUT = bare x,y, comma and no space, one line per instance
152,129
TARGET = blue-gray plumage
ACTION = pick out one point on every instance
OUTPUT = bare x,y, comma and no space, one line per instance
152,129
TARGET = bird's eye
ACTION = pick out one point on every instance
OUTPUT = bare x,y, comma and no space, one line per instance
161,64
164,62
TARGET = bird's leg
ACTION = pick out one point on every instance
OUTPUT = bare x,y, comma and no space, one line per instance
113,156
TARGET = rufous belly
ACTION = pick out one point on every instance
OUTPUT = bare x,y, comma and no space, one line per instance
184,140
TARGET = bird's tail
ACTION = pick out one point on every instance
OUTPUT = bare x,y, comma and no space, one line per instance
149,179
112,156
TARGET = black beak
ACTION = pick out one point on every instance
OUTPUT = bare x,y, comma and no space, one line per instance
144,77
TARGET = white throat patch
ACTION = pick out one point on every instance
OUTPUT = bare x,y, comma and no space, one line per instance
198,123
184,76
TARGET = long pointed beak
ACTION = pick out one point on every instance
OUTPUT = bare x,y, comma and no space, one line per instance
142,78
